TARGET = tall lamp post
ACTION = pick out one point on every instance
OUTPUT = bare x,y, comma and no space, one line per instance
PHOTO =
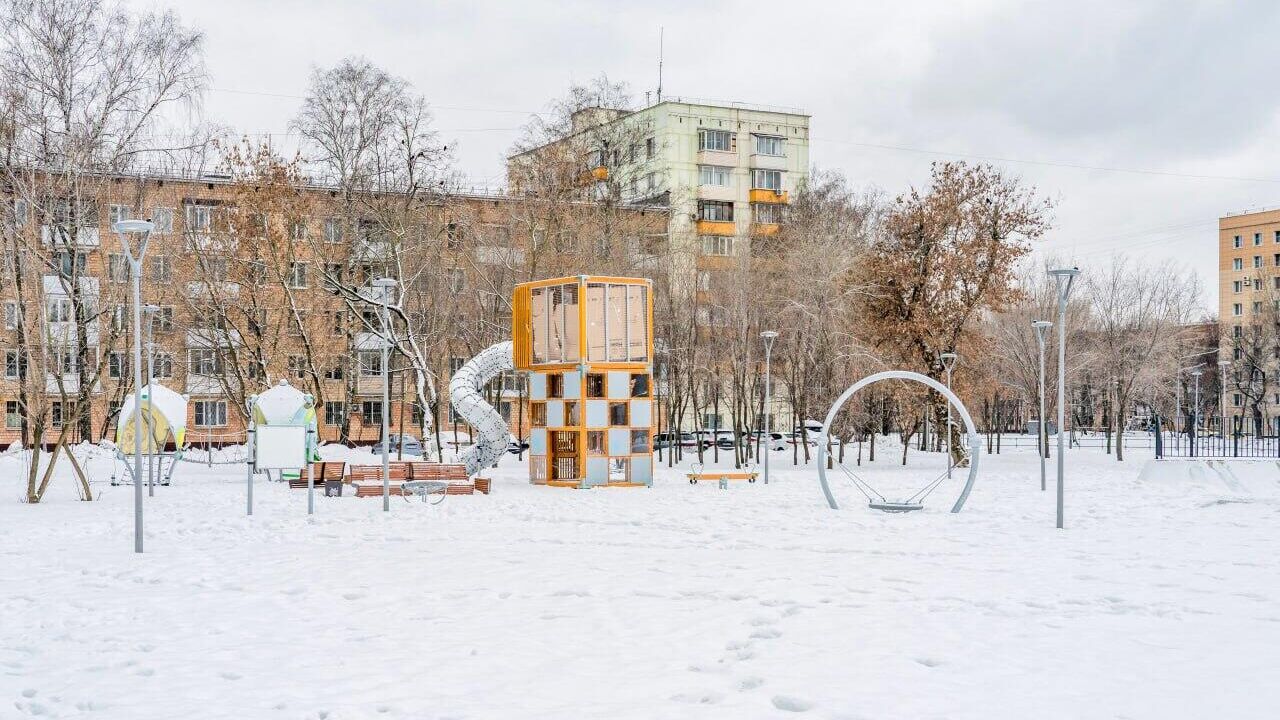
949,360
1195,410
1065,278
150,312
1222,399
385,287
124,229
1042,432
769,336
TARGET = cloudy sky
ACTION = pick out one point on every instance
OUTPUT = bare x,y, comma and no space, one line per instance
1145,121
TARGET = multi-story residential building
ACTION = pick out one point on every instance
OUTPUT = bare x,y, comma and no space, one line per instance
1249,307
249,291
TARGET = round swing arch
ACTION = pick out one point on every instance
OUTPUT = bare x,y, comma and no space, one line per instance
970,431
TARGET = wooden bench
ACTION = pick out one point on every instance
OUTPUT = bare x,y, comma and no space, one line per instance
454,476
327,470
718,476
367,479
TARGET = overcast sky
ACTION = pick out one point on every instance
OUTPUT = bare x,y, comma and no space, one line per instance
1146,121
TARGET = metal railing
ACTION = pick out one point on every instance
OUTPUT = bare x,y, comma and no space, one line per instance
1233,436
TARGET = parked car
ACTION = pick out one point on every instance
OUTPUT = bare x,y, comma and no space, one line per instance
411,445
777,441
515,447
663,441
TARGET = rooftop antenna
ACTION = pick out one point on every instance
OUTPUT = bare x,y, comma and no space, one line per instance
661,29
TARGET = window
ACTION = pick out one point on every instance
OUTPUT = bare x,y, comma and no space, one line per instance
1237,264
1237,399
59,309
297,323
216,269
1257,238
370,362
203,361
371,412
639,385
767,214
1257,261
162,365
162,218
770,145
704,280
555,385
199,217
1275,282
11,315
161,269
117,365
337,322
454,235
20,213
718,140
650,148
210,413
767,180
457,279
335,413
1257,308
717,245
538,414
617,413
1237,309
717,175
117,268
298,367
1237,331
56,414
297,275
1235,242
595,442
164,319
333,230
298,230
118,213
639,441
715,210
69,263
1235,286
12,418
595,385
15,364
334,372
572,413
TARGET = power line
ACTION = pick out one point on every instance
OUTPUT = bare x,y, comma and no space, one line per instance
464,108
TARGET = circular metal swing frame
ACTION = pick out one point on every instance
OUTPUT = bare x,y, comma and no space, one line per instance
975,443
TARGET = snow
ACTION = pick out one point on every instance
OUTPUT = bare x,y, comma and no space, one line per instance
1159,600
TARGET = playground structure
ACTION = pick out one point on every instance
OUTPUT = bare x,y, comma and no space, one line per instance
164,423
587,344
876,501
282,436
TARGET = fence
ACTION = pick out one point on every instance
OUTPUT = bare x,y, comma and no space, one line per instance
1218,437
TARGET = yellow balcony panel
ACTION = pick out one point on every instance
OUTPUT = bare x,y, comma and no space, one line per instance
600,173
761,195
717,227
766,229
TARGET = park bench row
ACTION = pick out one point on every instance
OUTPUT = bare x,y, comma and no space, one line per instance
366,480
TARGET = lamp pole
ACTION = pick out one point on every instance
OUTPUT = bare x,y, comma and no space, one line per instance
769,336
949,360
1222,399
1065,278
124,229
1042,432
385,287
150,311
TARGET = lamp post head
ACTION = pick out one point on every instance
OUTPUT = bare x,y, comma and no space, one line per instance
1224,364
1196,374
769,336
385,286
949,360
133,227
150,309
1064,272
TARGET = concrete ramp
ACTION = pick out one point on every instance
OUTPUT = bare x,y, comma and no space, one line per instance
1234,476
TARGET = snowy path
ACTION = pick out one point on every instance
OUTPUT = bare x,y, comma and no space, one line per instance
674,602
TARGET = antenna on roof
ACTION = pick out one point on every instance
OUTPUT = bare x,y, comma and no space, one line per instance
661,29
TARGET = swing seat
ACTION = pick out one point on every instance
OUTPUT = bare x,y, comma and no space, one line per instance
895,507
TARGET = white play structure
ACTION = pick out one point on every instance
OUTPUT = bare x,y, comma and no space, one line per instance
164,423
282,436
877,501
466,394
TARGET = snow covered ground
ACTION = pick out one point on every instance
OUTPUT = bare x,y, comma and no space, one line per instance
1161,599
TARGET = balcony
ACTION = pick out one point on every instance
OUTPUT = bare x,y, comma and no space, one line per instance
768,162
600,173
721,193
769,197
209,337
61,236
717,227
765,229
204,385
201,289
717,157
370,341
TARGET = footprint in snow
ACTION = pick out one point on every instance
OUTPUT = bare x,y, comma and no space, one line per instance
750,683
709,697
230,676
791,704
929,662
765,634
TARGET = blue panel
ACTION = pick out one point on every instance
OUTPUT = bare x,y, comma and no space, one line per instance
597,470
572,385
555,413
538,441
641,413
619,441
619,385
642,469
537,386
597,413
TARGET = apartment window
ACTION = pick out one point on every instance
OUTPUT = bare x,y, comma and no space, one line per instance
203,361
335,413
161,268
57,413
64,361
719,140
298,367
1237,331
650,148
59,309
370,362
164,319
117,268
1278,236
457,279
20,208
717,245
767,180
215,269
717,175
1237,399
70,263
1235,285
162,364
1275,283
639,385
12,417
618,413
1257,261
199,217
15,364
11,315
210,413
1237,263
117,365
162,218
371,412
1257,308
555,386
334,372
337,322
298,230
704,280
1237,309
767,214
1257,238
297,275
770,145
298,323
1236,242
715,210
333,230
118,213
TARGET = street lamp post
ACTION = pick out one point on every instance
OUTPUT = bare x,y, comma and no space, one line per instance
150,311
1222,399
1195,411
1065,278
124,229
385,287
1042,433
769,336
949,360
